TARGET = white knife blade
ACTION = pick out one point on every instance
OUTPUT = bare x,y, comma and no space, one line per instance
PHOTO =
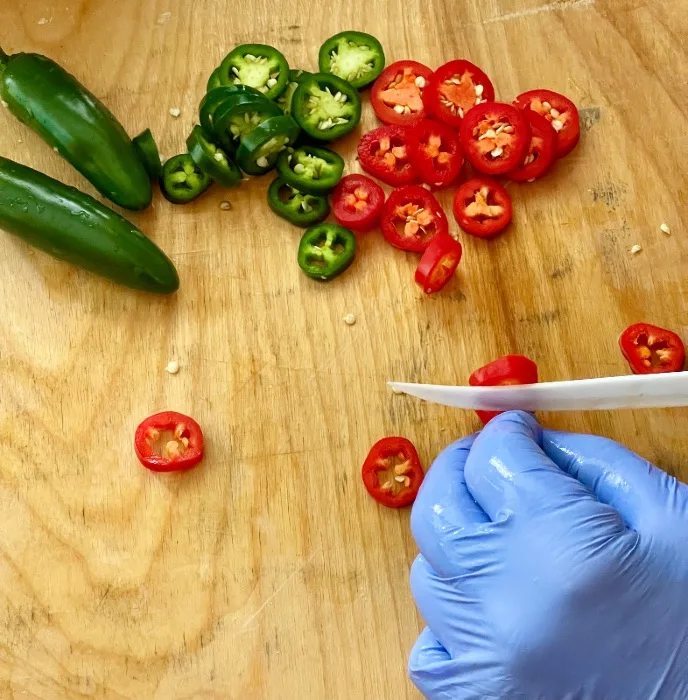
606,393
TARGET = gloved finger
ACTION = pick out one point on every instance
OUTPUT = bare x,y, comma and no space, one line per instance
445,513
510,477
431,669
617,476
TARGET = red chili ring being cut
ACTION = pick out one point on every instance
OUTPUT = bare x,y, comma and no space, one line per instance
383,152
168,442
559,111
397,94
482,207
439,263
411,218
434,151
454,88
650,349
505,371
392,473
542,151
357,203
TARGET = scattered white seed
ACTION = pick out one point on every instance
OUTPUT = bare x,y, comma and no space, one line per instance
164,18
338,96
218,156
420,81
426,186
399,109
349,319
555,113
497,152
547,106
400,479
479,90
175,112
461,112
271,83
235,70
56,149
263,162
299,168
173,367
225,205
664,228
44,20
4,104
250,58
636,249
557,125
490,133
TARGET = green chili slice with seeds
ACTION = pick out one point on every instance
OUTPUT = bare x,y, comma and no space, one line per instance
326,107
220,97
285,99
353,56
258,151
211,159
311,169
326,250
258,66
182,180
148,153
297,208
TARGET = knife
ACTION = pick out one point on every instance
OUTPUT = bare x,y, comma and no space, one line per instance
630,391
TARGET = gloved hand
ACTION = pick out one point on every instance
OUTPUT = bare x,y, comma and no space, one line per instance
553,567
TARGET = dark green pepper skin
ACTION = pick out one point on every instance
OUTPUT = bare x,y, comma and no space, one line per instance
74,227
77,125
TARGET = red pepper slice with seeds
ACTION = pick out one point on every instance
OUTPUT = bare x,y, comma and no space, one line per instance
434,151
439,263
411,218
454,88
392,473
505,371
651,349
542,151
482,207
397,95
559,111
168,442
495,137
383,152
357,203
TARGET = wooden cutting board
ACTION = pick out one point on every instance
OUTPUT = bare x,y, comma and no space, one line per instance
268,572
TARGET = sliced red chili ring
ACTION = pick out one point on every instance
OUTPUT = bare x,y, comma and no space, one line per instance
434,151
383,152
455,88
495,137
411,218
652,350
541,153
482,207
357,203
169,441
392,473
507,370
397,95
559,111
439,263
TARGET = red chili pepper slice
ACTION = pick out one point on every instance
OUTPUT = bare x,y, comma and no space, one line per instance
651,349
392,472
510,369
357,203
439,263
397,95
454,88
169,441
482,207
559,111
383,152
434,151
495,137
411,218
541,153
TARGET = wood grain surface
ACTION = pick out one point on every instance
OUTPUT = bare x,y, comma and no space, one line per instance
268,572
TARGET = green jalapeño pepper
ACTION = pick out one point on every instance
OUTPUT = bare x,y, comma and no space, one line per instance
238,116
219,97
77,125
258,66
311,169
259,149
297,208
285,99
326,107
354,56
211,159
72,226
182,180
148,153
326,250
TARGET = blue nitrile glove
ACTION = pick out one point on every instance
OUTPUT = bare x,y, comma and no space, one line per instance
565,579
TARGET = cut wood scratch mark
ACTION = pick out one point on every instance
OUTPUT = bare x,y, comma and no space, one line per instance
556,6
284,583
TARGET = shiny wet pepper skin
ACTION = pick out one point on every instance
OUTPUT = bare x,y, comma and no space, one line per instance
75,123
